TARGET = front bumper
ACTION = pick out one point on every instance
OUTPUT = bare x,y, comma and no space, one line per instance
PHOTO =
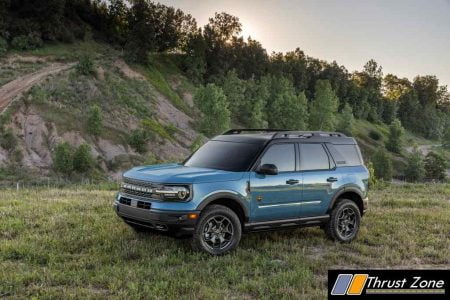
162,220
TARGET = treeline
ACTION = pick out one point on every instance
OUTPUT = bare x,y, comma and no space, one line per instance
260,89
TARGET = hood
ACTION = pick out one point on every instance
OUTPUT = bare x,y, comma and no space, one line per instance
176,173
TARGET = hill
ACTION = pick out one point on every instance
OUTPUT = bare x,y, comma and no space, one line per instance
46,101
57,99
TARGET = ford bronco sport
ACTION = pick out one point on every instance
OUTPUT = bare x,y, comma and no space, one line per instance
251,180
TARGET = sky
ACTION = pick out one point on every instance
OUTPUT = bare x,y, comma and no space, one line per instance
406,37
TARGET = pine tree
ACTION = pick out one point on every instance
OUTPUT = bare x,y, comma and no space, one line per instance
323,107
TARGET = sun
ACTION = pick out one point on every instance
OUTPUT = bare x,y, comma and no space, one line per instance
248,30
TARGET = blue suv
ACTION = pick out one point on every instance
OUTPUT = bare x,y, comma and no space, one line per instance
251,180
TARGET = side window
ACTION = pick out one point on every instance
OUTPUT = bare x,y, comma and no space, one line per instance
345,155
282,156
313,157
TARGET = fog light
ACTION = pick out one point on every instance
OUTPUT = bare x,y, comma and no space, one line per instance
192,216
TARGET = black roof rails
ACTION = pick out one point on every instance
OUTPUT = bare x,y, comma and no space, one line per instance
240,130
307,134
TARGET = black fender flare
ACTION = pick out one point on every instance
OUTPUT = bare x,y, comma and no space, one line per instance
225,195
342,191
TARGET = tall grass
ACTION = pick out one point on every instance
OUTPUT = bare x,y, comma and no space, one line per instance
68,243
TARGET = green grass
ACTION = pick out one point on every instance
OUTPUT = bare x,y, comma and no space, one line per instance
72,52
68,243
158,72
9,72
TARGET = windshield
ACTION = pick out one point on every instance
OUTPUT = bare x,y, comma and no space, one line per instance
228,156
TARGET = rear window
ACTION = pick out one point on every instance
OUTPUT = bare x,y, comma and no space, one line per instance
345,155
313,157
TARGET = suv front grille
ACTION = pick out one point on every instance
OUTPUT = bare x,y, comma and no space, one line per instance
140,188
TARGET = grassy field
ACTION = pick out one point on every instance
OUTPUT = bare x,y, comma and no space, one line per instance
67,243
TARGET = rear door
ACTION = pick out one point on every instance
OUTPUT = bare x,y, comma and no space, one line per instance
275,197
320,178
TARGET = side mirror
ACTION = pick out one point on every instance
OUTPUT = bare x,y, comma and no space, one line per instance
267,169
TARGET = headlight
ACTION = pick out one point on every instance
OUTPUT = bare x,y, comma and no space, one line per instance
172,192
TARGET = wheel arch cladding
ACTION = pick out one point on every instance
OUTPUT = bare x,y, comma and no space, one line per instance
350,194
227,200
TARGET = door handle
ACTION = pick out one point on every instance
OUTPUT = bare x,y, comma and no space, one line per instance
292,181
332,179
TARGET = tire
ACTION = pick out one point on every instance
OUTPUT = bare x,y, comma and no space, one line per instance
218,231
344,222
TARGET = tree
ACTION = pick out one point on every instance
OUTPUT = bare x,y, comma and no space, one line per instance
446,138
213,104
415,168
63,158
3,47
289,111
382,165
234,90
253,113
323,107
82,159
221,40
285,108
94,123
395,139
435,166
346,120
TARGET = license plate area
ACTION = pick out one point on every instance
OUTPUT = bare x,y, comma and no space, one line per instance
135,203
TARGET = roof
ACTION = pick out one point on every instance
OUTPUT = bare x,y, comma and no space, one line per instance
262,136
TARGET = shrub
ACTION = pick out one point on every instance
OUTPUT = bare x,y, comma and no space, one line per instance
382,165
415,169
63,158
8,140
3,47
27,42
85,66
82,159
156,127
435,166
94,122
375,135
20,42
372,178
138,140
395,140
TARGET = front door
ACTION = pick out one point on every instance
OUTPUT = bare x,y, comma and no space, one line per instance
276,197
